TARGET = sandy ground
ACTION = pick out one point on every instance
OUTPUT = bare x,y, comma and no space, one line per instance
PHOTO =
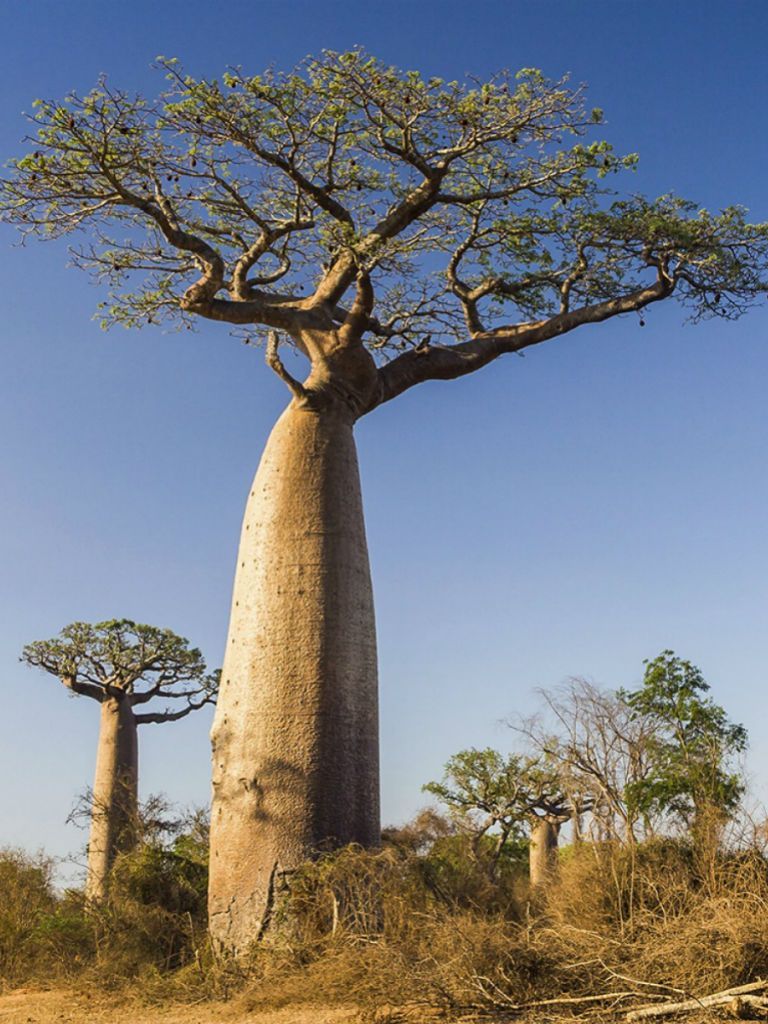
27,1006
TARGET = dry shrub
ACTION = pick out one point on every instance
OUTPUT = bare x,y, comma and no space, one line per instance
355,895
608,888
151,924
650,914
372,928
719,938
378,928
396,927
42,934
155,915
27,899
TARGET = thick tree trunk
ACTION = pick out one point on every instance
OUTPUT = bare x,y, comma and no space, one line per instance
113,816
542,853
295,737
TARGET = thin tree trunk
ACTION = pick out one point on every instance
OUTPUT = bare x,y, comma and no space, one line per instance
295,737
577,826
113,816
542,853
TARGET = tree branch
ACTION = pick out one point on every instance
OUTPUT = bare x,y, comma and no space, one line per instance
358,319
339,277
83,689
158,717
447,362
274,362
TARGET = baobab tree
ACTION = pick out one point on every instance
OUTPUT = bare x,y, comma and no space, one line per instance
478,220
496,798
123,666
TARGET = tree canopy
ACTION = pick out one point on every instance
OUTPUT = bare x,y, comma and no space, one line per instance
486,790
480,213
646,760
129,661
692,745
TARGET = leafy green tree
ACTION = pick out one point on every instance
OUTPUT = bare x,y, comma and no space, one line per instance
123,666
479,221
505,799
483,792
693,744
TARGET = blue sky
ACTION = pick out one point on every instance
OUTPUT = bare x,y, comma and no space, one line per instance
569,513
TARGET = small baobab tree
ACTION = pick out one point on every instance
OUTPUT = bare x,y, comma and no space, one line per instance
495,798
476,218
487,800
123,666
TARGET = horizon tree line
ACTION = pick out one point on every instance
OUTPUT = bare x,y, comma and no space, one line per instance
618,766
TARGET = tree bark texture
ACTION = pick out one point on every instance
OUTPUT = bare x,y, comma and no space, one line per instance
295,736
115,794
542,852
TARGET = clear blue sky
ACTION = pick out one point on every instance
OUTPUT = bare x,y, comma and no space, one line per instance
569,513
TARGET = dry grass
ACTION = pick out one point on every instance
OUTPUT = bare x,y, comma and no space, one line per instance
398,928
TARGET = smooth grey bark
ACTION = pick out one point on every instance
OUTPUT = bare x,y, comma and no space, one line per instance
542,851
295,735
115,793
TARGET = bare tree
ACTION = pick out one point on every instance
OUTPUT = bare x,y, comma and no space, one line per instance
123,666
604,753
477,217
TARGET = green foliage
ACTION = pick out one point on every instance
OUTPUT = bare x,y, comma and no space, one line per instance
153,921
27,902
155,916
693,743
119,647
119,657
485,788
488,792
465,201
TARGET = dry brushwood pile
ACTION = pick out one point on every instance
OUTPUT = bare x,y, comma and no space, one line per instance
635,932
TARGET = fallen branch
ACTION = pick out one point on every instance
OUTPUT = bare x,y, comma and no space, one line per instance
716,999
538,1004
565,1000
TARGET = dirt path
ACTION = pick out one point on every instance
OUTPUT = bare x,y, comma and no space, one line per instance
25,1006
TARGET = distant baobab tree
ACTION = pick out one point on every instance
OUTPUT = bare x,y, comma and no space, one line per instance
123,666
496,798
478,219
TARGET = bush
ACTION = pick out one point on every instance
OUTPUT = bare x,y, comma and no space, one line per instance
153,921
28,900
154,916
411,923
